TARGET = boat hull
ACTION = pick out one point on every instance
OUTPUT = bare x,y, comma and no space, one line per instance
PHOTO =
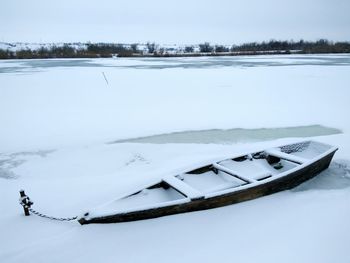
283,183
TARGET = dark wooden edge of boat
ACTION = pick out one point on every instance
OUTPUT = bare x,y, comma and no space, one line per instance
284,183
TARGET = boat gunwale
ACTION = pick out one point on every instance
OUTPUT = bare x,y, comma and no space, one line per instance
277,176
218,194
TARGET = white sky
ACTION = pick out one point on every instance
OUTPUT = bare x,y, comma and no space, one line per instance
180,21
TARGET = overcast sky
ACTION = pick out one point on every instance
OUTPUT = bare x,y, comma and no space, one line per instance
178,21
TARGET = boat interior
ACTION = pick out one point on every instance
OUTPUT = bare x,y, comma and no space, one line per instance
229,174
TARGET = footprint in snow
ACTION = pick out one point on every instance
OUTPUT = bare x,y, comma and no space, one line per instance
137,158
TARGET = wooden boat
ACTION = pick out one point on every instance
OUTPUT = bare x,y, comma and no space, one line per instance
240,178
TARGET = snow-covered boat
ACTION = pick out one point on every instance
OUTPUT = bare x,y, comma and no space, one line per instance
239,178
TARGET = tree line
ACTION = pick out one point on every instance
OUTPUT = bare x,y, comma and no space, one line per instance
304,47
96,50
67,51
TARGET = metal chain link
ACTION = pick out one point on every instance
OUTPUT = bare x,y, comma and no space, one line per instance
27,203
51,217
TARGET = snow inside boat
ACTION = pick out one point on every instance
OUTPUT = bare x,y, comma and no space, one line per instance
240,178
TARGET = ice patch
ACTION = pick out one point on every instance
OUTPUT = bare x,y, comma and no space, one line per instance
234,135
7,174
8,162
41,153
6,166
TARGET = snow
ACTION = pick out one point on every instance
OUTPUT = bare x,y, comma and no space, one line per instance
229,171
250,171
58,117
167,48
78,98
282,155
146,199
210,182
182,187
312,150
36,46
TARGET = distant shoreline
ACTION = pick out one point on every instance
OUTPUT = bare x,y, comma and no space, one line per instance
153,50
185,55
243,53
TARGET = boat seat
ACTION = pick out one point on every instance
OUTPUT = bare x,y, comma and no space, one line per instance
232,172
278,153
261,176
247,169
183,188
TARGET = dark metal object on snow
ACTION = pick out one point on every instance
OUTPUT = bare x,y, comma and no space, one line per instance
25,202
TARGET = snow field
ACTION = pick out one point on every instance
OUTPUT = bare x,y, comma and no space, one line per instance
56,123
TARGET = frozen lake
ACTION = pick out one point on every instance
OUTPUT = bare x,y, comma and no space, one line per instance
59,119
120,99
33,65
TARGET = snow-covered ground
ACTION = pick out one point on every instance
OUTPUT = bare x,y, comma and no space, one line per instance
168,48
36,46
58,118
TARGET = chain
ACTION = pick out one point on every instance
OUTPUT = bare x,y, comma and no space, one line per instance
27,203
51,217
